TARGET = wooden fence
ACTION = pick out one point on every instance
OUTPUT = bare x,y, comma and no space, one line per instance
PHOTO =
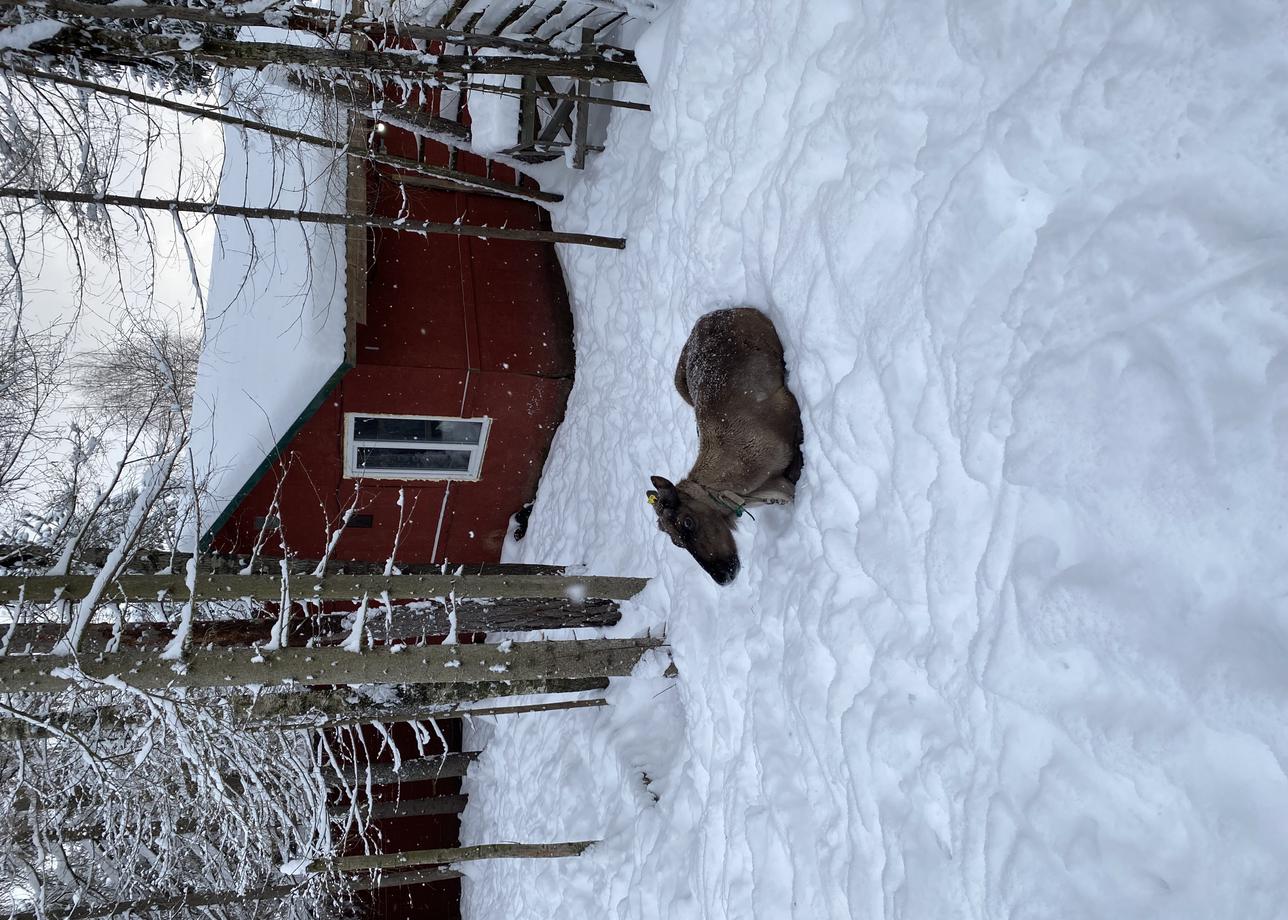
428,680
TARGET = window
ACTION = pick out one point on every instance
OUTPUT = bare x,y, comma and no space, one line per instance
414,446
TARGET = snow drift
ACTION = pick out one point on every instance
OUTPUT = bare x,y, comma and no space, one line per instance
1018,648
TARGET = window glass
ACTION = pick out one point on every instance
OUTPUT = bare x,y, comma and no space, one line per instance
400,458
434,431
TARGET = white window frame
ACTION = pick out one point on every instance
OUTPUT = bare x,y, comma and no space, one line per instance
351,444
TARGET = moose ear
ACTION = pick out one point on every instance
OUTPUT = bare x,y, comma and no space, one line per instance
667,497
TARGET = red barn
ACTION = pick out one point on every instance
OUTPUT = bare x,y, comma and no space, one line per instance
436,396
458,359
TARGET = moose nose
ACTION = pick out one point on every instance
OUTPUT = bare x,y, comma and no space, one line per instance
723,572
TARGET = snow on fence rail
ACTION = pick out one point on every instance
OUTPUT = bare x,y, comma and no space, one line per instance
447,856
43,588
156,561
304,711
432,664
393,623
296,685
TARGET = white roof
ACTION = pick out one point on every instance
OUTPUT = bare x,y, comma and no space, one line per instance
275,316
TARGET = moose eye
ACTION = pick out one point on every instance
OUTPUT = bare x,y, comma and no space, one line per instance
688,525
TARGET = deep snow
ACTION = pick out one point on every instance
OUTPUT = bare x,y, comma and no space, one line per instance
1018,648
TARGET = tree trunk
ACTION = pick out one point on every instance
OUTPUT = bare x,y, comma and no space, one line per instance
459,181
451,855
573,96
40,638
317,217
417,715
424,698
42,588
301,18
431,664
402,879
156,561
402,623
329,708
122,49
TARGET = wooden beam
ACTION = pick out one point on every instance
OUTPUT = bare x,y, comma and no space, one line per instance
410,703
609,23
555,94
404,808
302,18
451,855
399,623
43,588
45,196
429,664
420,715
582,120
156,560
412,770
540,24
452,12
312,709
355,202
403,879
361,154
559,122
528,116
520,9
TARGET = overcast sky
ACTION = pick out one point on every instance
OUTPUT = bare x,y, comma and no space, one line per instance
158,278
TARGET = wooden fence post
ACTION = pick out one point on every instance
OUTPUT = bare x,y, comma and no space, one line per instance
42,588
450,856
401,622
427,664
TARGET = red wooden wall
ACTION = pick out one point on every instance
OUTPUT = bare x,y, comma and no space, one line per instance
455,326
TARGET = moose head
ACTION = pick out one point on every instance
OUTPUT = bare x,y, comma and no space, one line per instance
696,523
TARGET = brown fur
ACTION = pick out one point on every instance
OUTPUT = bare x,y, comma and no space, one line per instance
749,436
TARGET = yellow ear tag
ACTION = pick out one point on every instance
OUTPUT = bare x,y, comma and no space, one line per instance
652,498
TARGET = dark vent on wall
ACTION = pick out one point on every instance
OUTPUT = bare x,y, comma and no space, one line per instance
359,520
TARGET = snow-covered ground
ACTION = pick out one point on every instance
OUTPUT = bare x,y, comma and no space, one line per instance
1018,650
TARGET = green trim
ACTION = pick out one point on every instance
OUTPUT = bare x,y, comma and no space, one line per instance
314,404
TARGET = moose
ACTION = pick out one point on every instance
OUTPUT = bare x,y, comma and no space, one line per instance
731,372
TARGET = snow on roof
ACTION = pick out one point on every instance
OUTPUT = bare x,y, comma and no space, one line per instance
275,315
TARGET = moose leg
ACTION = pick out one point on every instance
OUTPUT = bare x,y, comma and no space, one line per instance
776,490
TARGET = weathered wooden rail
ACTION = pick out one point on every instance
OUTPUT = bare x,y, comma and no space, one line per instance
400,622
429,680
152,561
436,766
450,855
429,664
45,588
